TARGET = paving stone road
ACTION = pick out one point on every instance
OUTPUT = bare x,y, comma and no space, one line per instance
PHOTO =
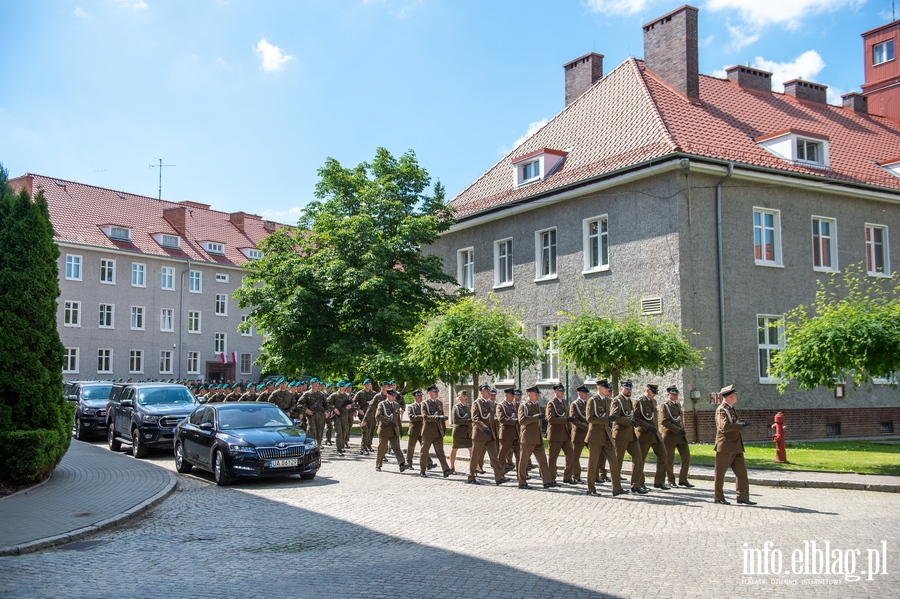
353,532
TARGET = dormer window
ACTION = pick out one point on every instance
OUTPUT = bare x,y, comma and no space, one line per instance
883,52
214,247
252,253
170,241
798,147
531,170
891,166
117,233
536,166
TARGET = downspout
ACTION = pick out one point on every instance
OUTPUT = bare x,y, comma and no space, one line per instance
721,269
181,317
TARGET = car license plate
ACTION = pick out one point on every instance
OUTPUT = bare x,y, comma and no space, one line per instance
283,463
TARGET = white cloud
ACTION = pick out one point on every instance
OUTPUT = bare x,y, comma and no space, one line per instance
806,66
283,216
273,57
785,12
617,7
78,12
741,37
532,129
135,4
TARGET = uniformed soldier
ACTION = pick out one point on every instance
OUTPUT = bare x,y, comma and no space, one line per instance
387,415
559,437
283,398
730,449
200,393
624,437
462,427
416,420
312,403
362,401
347,415
530,440
328,390
483,438
250,394
484,391
433,426
334,405
508,421
266,393
599,438
648,435
675,437
235,393
578,428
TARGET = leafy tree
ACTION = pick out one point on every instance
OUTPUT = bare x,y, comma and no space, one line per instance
471,336
35,420
623,344
850,333
350,281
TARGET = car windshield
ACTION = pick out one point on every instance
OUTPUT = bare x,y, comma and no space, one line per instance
96,392
164,395
262,416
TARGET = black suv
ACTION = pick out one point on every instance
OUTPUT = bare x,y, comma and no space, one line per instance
145,415
90,399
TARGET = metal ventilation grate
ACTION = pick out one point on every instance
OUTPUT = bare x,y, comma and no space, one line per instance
651,305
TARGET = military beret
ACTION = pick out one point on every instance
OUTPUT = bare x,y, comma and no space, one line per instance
484,387
385,383
342,383
653,387
392,382
281,380
366,380
271,383
328,385
559,387
728,390
314,380
532,390
509,391
672,389
581,389
626,384
418,392
433,388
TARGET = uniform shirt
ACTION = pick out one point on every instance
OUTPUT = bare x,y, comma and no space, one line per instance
362,400
530,423
728,430
598,413
313,401
482,419
623,411
671,419
579,426
645,415
557,420
508,417
433,412
282,399
416,421
387,413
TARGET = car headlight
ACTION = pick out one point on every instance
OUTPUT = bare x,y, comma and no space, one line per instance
87,413
151,419
311,443
241,449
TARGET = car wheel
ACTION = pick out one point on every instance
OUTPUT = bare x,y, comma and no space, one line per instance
308,475
138,449
181,464
79,431
219,469
114,444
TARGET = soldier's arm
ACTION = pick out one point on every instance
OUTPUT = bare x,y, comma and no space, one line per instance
578,422
412,416
723,425
380,416
523,419
552,418
666,422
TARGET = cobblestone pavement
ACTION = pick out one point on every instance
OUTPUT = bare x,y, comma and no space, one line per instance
354,532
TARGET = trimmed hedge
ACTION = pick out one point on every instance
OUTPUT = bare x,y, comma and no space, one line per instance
30,456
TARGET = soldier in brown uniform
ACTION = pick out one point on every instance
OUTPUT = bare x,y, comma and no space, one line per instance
483,438
648,435
730,449
599,438
387,415
434,424
487,399
530,440
361,403
559,436
508,422
674,436
578,429
462,428
624,438
416,420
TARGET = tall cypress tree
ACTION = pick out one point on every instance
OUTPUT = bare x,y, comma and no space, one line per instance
35,420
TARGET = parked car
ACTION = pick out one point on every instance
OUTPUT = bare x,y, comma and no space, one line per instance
235,440
145,415
90,399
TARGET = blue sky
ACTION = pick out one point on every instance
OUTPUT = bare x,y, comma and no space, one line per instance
247,98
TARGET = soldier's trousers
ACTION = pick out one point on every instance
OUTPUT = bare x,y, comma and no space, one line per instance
735,461
394,442
526,450
316,426
411,449
596,453
577,446
507,451
684,451
624,443
368,431
346,425
338,432
568,451
430,444
659,450
329,429
479,448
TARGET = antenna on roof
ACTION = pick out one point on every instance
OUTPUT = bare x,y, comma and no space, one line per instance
160,167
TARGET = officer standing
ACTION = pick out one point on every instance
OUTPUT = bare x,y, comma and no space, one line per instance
486,401
462,428
559,437
432,432
624,438
483,438
730,449
530,440
387,415
675,437
361,402
599,438
508,422
648,435
579,429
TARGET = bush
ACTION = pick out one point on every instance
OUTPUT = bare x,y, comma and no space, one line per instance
30,456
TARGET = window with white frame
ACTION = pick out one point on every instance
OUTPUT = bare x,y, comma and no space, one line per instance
214,247
596,244
249,331
137,318
167,278
166,319
810,150
104,361
221,277
771,341
253,254
530,171
70,359
108,271
799,147
883,52
137,275
195,282
503,262
550,353
136,361
246,364
545,259
73,267
120,233
107,317
824,238
193,321
165,361
220,343
170,241
465,268
221,304
72,314
193,362
767,237
877,262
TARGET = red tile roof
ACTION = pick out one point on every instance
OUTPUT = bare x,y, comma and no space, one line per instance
631,116
77,212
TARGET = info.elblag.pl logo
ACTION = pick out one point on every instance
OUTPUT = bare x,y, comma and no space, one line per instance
815,559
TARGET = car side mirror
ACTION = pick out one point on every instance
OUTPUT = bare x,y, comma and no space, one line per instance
206,426
127,403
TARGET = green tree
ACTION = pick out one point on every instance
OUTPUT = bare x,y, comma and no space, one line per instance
350,281
623,344
35,420
850,333
474,337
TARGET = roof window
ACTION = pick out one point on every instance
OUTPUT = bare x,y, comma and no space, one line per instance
883,52
116,232
536,166
252,253
891,166
214,247
798,147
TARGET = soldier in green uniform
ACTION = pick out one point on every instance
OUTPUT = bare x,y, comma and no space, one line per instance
648,435
624,438
328,390
282,397
266,392
675,437
370,412
250,394
347,413
334,406
235,394
730,449
361,403
312,403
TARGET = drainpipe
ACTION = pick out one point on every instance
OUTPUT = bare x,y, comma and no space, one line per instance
181,317
721,268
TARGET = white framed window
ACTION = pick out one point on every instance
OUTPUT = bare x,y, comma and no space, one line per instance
120,233
246,364
249,331
810,150
193,321
596,243
73,267
167,278
824,238
107,316
72,314
108,271
220,345
767,237
770,330
253,254
137,318
503,263
221,304
545,254
550,353
883,52
167,320
214,247
465,268
877,257
70,359
800,148
104,361
170,241
193,362
136,361
165,361
221,277
195,282
137,274
530,171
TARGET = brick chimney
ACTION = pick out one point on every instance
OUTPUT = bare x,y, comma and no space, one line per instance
671,50
856,102
581,74
269,226
750,78
805,90
237,219
176,217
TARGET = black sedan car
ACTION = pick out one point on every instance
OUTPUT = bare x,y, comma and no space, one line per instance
235,440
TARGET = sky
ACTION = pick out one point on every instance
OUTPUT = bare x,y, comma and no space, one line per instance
246,99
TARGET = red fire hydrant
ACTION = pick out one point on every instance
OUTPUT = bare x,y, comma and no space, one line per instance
778,437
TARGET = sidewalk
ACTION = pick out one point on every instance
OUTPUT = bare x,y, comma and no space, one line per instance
92,488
